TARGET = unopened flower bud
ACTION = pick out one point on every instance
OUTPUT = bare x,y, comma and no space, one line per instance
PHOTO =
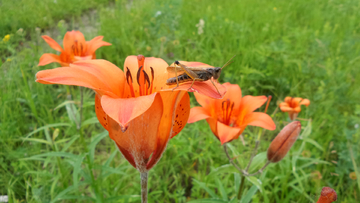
328,195
282,143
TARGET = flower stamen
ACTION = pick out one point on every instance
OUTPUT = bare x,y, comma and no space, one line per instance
267,104
130,81
227,109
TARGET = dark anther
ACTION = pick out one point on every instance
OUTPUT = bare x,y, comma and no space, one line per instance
128,75
146,78
138,75
177,62
152,73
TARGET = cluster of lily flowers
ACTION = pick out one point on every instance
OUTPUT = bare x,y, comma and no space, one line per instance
142,113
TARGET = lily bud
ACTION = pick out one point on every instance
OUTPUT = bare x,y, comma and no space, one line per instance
328,195
282,143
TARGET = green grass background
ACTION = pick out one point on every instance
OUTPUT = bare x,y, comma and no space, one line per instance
307,48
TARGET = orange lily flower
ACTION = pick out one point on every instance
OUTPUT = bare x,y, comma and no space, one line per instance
75,49
292,106
138,110
229,116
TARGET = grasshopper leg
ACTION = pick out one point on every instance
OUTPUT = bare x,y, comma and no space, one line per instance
192,84
177,80
215,86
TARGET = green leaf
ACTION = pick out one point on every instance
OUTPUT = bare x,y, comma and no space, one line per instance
207,201
37,140
203,186
69,143
313,142
249,194
90,121
255,181
52,154
47,126
94,142
258,161
221,188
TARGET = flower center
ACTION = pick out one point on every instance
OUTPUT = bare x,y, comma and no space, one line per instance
77,48
142,78
227,109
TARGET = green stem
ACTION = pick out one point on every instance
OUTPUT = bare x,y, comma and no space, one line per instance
90,167
144,183
61,171
81,106
241,188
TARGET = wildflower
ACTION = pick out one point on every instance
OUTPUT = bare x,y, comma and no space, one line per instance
328,195
229,116
292,106
8,59
352,175
282,143
200,26
138,110
6,38
148,48
75,49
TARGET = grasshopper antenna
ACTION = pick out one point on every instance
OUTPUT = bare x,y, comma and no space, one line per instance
227,63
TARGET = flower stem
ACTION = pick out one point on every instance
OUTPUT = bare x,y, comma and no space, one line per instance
241,188
81,106
230,159
144,183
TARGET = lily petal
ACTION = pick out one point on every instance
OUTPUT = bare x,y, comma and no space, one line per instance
181,114
158,66
233,93
284,104
100,113
70,38
52,43
168,126
305,102
295,101
99,75
297,109
286,109
94,44
50,58
259,119
250,104
139,139
124,110
197,114
288,99
205,101
227,133
205,88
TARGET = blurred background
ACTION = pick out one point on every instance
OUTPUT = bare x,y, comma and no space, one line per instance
308,49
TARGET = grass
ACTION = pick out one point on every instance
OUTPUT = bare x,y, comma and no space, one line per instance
307,48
